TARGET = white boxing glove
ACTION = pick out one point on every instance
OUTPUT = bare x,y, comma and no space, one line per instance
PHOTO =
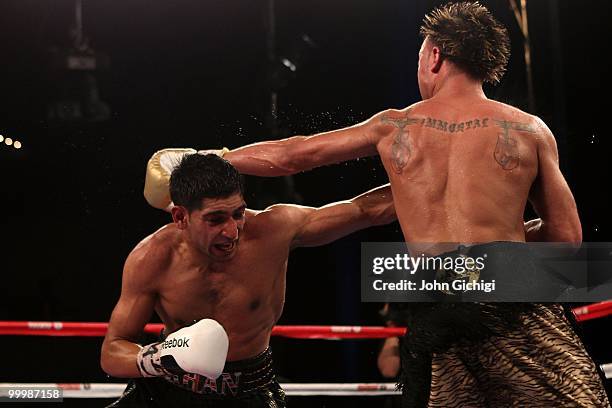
159,169
200,348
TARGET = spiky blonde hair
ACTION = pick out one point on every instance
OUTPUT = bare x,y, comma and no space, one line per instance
468,35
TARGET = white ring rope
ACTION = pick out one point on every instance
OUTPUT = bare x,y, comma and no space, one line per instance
114,390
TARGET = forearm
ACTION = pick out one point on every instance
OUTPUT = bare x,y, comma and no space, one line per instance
389,359
119,358
377,205
301,153
268,159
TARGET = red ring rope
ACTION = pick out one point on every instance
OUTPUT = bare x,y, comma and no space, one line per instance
99,329
87,329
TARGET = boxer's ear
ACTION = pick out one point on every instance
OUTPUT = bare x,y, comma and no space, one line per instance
180,216
436,58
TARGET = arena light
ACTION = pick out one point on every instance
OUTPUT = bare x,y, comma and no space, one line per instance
8,141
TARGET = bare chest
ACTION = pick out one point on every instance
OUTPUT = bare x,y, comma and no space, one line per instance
248,290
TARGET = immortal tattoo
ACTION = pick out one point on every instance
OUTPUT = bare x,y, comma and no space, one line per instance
506,150
452,127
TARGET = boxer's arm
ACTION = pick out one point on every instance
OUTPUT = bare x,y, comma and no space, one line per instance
133,310
388,360
301,153
319,226
552,198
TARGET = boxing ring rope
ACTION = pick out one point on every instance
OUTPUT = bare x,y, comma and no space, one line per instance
88,329
80,329
593,311
114,390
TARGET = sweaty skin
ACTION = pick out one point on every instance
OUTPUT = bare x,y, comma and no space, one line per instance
462,167
239,281
460,171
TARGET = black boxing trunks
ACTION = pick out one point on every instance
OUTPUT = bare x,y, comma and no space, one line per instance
494,354
244,383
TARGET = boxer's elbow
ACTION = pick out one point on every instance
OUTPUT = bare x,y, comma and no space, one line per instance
382,215
569,231
379,213
388,215
106,363
114,368
575,233
572,234
113,364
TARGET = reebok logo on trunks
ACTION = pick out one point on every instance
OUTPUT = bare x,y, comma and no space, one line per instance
184,342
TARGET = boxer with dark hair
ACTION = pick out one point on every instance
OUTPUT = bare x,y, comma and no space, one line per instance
224,266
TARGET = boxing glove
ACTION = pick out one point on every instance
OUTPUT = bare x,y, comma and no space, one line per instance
200,348
159,169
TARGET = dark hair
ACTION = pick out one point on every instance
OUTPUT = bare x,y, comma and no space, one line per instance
469,36
203,176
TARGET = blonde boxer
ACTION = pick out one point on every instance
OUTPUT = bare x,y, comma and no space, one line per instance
462,168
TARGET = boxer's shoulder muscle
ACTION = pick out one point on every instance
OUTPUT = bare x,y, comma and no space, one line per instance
152,256
274,217
502,111
272,224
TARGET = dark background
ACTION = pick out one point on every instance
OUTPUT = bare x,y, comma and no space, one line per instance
192,73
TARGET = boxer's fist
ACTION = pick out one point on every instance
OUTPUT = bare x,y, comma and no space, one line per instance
157,179
200,348
159,169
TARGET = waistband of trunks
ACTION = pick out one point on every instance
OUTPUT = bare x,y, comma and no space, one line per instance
238,378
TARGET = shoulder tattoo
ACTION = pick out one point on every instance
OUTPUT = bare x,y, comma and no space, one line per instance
506,152
400,149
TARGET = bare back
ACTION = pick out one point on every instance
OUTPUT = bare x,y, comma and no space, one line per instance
245,294
462,171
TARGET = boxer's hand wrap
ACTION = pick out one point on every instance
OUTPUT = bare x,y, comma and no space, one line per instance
533,225
218,152
200,348
148,361
159,169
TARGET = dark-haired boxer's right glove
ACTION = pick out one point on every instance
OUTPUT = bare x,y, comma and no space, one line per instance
200,348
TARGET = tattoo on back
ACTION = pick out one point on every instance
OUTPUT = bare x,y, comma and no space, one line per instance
506,152
400,150
452,127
